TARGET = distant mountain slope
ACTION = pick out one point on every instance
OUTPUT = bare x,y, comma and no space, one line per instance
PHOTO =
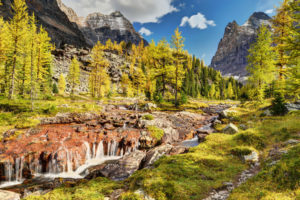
65,27
231,56
48,13
100,27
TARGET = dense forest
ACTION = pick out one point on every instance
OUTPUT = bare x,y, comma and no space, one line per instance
162,71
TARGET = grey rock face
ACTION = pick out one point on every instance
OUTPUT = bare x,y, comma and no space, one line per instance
231,56
98,27
64,56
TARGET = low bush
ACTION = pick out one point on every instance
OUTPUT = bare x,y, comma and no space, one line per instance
241,151
155,132
148,117
250,138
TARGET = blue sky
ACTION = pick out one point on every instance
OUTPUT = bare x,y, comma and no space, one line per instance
204,42
203,21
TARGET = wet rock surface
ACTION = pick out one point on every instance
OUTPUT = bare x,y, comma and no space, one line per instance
118,169
89,145
7,195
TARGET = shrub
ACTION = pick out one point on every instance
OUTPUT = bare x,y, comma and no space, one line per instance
241,151
148,117
50,109
54,88
130,196
155,132
251,139
278,107
27,123
183,98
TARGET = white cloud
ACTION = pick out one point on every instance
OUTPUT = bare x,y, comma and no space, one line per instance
145,31
263,5
197,21
143,11
270,11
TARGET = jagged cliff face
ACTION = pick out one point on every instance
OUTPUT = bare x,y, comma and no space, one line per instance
65,27
99,27
50,16
231,56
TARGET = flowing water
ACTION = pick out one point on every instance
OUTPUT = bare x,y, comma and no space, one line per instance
72,169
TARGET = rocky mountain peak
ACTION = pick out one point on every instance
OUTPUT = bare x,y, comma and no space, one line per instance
231,27
117,14
257,19
231,56
100,27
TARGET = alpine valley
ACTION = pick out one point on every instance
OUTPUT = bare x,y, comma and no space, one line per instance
90,110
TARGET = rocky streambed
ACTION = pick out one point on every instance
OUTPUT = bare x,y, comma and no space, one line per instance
70,147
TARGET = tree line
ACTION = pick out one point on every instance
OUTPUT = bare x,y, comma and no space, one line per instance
161,71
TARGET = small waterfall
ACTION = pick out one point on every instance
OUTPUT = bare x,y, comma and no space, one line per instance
13,174
100,152
8,171
94,150
88,151
65,163
108,149
69,162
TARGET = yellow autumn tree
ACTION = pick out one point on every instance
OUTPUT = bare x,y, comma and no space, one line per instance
99,79
74,75
282,22
61,84
44,61
3,54
178,44
17,33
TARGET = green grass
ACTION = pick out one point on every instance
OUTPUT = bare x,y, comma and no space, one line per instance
193,175
278,182
18,114
95,189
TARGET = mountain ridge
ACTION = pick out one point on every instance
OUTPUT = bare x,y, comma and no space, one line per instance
100,27
232,52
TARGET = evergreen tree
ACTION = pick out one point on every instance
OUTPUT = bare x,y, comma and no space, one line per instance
61,84
74,75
